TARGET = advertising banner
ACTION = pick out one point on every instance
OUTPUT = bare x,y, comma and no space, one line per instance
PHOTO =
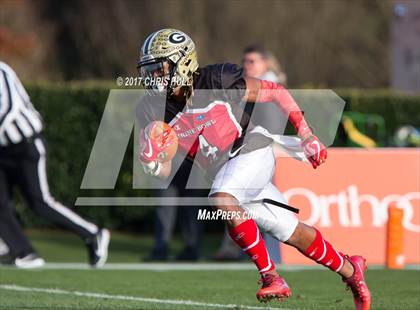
348,198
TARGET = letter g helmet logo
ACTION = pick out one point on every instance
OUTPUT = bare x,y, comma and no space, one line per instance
176,38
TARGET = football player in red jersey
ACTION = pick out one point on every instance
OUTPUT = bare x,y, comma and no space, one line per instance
211,131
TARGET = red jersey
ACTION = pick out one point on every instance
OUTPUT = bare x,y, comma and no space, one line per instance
205,134
212,129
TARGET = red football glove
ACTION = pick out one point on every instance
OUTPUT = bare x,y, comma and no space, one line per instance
149,148
314,151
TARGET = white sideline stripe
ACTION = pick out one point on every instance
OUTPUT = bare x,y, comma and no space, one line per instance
128,298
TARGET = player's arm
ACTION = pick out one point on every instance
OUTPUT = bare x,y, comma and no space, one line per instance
262,91
7,105
157,169
149,151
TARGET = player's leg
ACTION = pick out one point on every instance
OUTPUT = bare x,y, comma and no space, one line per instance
310,242
164,224
21,253
32,180
241,179
191,230
228,251
245,233
165,217
284,226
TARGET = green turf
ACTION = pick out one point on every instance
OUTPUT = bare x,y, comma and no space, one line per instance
60,246
313,289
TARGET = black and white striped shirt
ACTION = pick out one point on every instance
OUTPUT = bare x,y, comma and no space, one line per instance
18,118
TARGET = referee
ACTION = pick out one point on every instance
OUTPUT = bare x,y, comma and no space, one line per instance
23,164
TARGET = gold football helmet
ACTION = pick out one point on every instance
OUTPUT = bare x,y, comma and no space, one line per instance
168,60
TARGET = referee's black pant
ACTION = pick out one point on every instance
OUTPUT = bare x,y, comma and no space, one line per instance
23,165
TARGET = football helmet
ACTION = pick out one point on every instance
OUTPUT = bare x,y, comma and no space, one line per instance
168,60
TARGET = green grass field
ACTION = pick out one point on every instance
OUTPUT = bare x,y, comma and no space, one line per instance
313,289
181,289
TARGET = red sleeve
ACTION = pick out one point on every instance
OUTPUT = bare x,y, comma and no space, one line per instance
272,92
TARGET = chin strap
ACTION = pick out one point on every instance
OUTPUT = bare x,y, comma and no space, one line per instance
189,93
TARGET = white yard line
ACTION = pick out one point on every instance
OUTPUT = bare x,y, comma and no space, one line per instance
129,298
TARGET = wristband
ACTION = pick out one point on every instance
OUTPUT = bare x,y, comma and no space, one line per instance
152,168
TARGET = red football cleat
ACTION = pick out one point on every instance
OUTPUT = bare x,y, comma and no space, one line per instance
273,286
357,283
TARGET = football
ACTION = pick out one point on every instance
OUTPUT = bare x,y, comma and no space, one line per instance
165,137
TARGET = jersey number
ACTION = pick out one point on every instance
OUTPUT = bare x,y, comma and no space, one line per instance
206,149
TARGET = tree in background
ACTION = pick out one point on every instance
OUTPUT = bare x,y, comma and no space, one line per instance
322,43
